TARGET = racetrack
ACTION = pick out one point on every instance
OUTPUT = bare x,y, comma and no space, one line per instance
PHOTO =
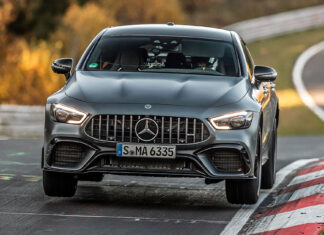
119,204
313,78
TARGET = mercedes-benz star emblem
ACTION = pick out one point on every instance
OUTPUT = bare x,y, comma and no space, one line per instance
146,129
148,106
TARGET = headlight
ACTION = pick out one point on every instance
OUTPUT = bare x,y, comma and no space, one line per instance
237,120
62,113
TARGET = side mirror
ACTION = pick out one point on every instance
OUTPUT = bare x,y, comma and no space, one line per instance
264,73
63,66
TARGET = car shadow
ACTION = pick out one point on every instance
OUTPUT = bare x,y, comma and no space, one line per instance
152,194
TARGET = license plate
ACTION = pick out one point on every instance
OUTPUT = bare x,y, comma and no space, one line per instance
146,150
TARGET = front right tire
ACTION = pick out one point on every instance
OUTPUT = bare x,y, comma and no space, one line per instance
59,184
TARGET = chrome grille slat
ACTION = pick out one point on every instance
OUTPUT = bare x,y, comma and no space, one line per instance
162,131
99,134
115,127
154,141
172,130
202,132
186,137
123,127
178,131
107,127
92,123
139,117
194,131
131,129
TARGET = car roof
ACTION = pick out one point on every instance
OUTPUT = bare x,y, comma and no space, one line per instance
170,29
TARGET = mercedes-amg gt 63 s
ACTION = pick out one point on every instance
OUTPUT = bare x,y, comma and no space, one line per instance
163,100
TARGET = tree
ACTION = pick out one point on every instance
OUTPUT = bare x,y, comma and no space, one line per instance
36,18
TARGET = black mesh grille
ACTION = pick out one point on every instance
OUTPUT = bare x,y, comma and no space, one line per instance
67,154
227,160
144,163
171,130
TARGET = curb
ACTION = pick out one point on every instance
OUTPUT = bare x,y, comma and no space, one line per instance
295,208
242,216
22,120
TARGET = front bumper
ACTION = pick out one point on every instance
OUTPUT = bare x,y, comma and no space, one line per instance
192,163
194,160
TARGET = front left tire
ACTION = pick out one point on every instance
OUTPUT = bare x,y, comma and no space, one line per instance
59,184
269,168
246,191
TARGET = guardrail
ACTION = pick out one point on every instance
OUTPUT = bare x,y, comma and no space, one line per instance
279,24
19,120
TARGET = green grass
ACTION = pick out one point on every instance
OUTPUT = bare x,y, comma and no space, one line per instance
281,53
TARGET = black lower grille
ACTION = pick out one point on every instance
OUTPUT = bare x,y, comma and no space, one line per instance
150,164
227,160
67,154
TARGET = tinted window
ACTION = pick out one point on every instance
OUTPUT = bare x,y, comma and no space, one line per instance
165,55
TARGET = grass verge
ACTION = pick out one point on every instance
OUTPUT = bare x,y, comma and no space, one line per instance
281,53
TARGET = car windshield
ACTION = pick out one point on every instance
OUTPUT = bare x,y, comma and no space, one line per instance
161,54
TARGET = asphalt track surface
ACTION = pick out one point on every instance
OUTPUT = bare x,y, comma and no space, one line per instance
313,78
119,204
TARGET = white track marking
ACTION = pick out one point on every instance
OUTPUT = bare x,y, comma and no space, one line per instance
298,80
307,177
311,214
243,214
131,218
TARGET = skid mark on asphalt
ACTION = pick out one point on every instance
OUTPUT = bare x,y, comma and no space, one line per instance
137,192
127,218
117,183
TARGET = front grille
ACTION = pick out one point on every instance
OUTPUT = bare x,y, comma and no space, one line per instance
67,154
227,160
149,164
171,130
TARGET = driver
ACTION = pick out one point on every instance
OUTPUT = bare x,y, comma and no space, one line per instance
200,62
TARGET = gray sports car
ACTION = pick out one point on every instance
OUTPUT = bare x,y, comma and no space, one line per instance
163,100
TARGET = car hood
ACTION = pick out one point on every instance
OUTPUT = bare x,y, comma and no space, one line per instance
155,88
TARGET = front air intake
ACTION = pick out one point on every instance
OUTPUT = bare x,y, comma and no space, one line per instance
148,163
227,160
67,154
